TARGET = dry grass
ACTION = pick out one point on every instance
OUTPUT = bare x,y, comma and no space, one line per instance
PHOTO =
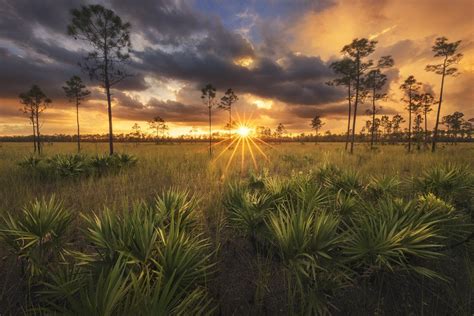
187,166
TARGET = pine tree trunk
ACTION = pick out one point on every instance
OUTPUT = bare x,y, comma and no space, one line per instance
38,135
349,116
435,132
230,121
210,129
373,120
426,129
78,133
109,110
34,131
107,91
409,121
356,103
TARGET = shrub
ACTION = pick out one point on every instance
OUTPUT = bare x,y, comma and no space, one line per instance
73,166
452,183
248,210
175,207
387,235
68,166
384,186
148,260
38,235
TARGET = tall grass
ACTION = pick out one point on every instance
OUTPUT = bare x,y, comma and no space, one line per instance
335,232
150,259
328,230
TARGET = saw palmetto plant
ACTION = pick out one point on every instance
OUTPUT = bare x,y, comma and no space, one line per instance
248,210
320,232
389,234
68,166
383,186
76,165
176,207
149,259
329,234
37,235
453,183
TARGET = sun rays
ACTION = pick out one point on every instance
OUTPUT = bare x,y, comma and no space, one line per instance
242,141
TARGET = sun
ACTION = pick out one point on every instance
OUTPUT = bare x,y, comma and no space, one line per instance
243,131
243,141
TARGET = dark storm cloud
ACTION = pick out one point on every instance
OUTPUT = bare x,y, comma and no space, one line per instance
19,73
307,112
174,111
20,19
188,45
176,23
166,21
299,80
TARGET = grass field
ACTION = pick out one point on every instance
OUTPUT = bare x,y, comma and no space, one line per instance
252,273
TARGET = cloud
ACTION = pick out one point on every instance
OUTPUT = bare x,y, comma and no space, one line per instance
192,43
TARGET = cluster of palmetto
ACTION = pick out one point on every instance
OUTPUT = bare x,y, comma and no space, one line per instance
147,260
365,80
75,165
332,230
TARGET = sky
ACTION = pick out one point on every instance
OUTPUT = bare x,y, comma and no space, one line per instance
274,54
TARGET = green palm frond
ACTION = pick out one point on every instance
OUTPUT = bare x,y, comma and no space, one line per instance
39,234
177,208
348,181
384,186
389,233
247,210
132,235
453,183
87,293
66,166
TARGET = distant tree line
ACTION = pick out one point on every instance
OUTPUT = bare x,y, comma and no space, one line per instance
387,129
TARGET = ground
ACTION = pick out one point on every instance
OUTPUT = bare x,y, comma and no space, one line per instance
187,166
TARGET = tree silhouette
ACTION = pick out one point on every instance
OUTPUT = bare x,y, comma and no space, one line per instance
467,128
454,122
410,88
280,131
346,69
76,92
317,124
208,97
263,132
426,100
158,124
34,103
386,124
374,82
226,103
446,50
109,40
397,121
357,51
417,129
136,132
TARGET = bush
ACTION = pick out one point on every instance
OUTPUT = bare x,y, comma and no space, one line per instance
148,260
77,165
329,231
38,235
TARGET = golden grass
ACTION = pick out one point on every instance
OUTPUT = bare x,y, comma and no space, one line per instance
187,166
